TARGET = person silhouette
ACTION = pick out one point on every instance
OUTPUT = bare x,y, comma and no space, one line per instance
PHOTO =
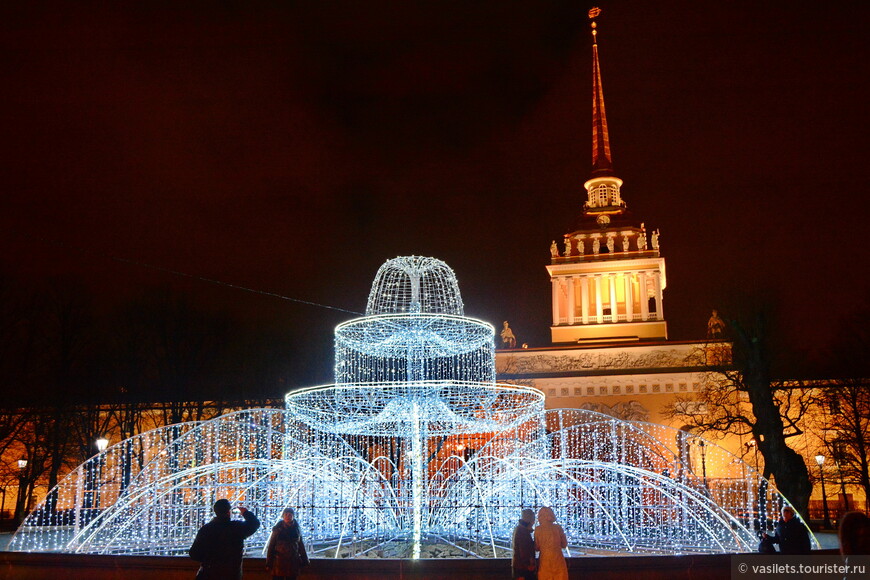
220,544
523,563
854,534
790,534
285,552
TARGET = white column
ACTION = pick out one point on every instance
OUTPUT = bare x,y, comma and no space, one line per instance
611,282
584,299
657,281
644,302
570,299
629,297
555,282
599,309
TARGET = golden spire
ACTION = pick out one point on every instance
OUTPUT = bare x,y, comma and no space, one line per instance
601,161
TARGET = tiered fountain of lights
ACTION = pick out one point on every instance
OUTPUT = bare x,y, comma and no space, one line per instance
415,451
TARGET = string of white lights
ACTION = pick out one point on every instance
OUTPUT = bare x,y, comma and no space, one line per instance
415,451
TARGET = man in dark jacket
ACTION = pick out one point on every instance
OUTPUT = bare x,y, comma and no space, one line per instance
220,544
523,562
791,534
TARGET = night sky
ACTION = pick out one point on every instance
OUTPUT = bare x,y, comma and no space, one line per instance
293,150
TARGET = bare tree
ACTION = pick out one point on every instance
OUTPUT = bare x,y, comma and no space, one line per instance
67,338
844,415
19,337
740,397
39,445
845,425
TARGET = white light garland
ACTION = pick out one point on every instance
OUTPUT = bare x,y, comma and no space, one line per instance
415,451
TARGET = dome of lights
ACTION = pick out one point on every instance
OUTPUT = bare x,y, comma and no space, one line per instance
415,451
415,284
414,330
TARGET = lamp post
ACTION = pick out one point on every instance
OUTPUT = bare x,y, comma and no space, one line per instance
761,516
752,445
704,461
820,460
21,504
703,446
102,444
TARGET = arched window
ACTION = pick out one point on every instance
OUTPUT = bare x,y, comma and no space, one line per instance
604,195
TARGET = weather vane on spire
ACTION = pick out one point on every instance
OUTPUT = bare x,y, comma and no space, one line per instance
593,14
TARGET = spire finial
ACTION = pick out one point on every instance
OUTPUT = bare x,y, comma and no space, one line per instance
601,163
593,14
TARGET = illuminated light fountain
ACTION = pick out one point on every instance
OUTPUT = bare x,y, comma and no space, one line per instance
415,451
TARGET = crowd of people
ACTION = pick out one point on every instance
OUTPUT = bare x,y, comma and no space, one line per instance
538,551
219,546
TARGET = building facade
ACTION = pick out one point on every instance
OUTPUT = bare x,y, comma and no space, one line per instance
608,330
610,351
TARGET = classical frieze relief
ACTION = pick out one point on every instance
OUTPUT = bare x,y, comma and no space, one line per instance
594,361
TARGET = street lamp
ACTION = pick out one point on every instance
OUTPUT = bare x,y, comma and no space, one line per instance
820,460
102,444
700,443
752,445
761,516
21,504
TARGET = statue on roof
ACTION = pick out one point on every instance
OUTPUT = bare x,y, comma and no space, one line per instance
508,340
715,326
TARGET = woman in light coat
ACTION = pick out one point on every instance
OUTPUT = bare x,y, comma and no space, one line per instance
550,540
